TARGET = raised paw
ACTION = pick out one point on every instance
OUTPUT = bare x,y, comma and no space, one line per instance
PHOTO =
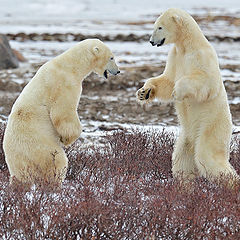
180,94
68,140
184,90
144,94
65,140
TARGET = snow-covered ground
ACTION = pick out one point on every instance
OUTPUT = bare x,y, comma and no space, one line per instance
114,17
19,11
130,53
105,17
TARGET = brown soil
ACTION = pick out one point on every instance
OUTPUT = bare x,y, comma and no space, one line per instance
118,37
110,100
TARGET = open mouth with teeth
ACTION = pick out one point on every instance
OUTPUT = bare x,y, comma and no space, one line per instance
161,43
105,74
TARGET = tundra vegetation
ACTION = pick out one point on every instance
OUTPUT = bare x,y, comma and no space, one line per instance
122,189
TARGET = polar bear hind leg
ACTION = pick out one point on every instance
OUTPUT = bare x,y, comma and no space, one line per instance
183,159
43,166
212,156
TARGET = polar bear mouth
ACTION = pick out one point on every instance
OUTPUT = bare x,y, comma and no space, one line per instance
112,72
161,43
105,74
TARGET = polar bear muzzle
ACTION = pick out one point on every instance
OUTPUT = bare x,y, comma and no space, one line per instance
158,44
106,73
161,43
111,67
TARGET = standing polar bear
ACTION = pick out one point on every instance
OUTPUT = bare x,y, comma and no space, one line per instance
44,117
192,78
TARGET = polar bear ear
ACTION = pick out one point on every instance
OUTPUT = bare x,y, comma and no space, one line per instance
96,50
177,19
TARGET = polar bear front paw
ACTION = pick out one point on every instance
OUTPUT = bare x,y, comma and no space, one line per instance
144,94
70,133
69,139
182,91
65,140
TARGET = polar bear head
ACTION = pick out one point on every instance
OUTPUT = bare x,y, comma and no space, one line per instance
104,61
169,27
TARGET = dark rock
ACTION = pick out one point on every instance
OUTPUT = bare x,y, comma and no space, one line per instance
7,57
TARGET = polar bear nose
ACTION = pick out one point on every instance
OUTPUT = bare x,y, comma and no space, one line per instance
152,43
118,72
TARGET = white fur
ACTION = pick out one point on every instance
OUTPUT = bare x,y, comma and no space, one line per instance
192,78
44,117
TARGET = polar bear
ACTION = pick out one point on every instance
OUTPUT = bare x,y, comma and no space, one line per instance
44,117
192,80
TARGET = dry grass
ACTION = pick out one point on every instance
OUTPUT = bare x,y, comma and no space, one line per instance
123,190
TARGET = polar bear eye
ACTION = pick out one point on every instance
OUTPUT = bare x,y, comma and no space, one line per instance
160,28
111,58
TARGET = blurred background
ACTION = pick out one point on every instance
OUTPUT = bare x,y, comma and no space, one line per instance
41,29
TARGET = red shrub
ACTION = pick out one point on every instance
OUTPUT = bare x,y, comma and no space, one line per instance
122,190
235,153
128,153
